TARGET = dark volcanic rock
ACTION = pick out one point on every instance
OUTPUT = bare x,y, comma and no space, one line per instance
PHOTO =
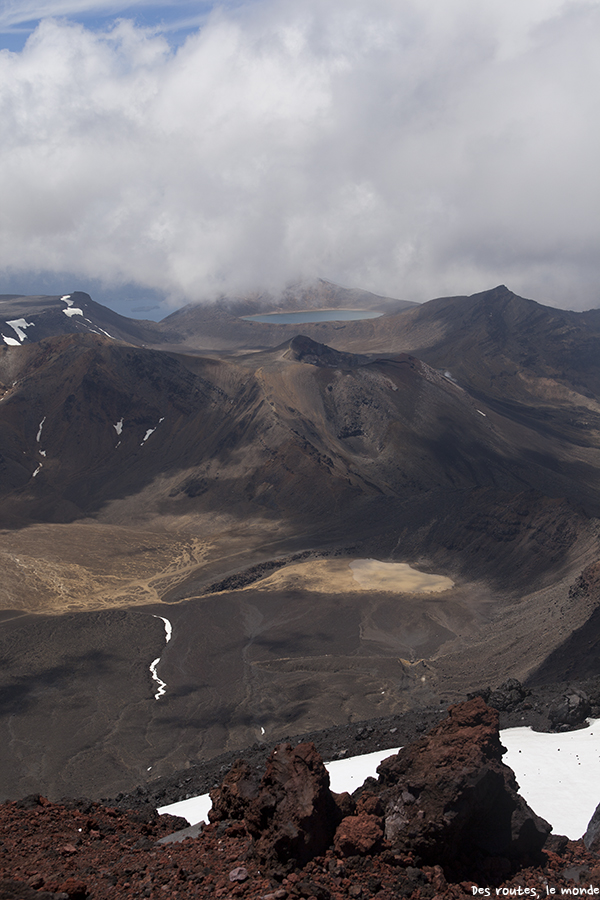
587,584
591,838
305,350
572,709
294,815
508,696
449,796
231,799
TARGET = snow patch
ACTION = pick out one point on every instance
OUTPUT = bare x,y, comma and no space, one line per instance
18,325
37,470
119,426
482,414
554,772
151,431
39,437
168,628
97,330
194,810
11,341
72,310
348,774
162,687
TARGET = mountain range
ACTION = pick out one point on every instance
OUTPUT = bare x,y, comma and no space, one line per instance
221,474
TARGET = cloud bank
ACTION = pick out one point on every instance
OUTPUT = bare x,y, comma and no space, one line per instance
411,147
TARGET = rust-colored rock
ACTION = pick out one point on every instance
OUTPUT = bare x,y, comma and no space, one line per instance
294,815
230,800
370,804
118,858
449,796
345,804
73,888
359,835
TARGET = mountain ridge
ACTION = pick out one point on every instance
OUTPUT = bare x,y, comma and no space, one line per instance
230,491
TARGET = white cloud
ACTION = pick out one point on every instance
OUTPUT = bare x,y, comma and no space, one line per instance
412,148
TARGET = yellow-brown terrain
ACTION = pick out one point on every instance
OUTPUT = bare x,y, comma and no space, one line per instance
335,529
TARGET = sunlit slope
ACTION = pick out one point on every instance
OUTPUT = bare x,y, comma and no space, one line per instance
232,497
318,442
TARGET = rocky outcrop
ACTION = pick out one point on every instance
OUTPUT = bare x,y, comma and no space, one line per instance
449,796
231,798
508,696
442,820
572,709
359,835
587,584
304,349
591,838
445,798
291,813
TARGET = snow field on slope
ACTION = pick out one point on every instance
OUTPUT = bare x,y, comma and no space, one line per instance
555,773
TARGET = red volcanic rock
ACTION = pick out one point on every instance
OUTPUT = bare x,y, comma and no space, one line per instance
73,888
358,835
449,795
230,800
451,787
294,815
345,804
361,831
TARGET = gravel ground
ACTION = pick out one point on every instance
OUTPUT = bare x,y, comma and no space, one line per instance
529,707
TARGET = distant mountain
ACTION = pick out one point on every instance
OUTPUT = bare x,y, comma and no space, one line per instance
302,433
488,338
221,326
198,468
26,319
217,325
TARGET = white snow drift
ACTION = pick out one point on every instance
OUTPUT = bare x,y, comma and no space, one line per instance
162,687
554,772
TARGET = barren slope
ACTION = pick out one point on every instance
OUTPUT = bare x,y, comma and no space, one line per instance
231,496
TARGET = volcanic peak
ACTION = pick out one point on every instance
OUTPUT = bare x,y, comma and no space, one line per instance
304,349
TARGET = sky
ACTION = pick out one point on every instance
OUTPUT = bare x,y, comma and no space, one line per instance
158,155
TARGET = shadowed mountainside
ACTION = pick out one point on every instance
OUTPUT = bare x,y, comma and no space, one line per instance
461,436
301,434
